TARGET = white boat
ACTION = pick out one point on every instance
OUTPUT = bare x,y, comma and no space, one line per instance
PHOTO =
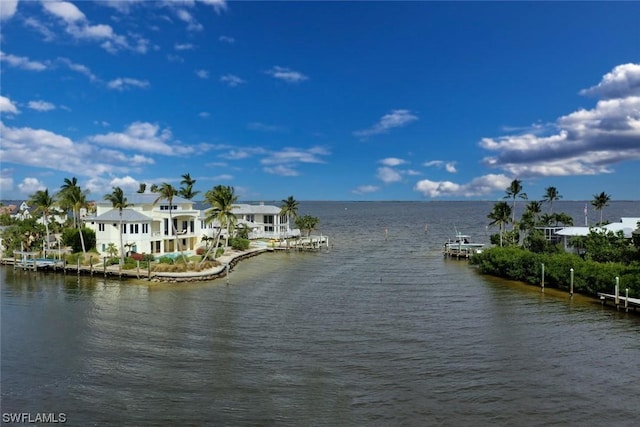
461,246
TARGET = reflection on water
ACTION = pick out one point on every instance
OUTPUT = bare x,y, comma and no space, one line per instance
370,331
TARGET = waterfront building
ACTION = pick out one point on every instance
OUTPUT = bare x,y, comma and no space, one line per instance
146,226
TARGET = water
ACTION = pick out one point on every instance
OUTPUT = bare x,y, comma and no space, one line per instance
369,332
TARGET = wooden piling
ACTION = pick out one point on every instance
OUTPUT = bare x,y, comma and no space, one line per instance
626,300
571,284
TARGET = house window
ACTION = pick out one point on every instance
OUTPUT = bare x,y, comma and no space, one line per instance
145,228
124,228
283,219
101,227
133,228
250,218
166,207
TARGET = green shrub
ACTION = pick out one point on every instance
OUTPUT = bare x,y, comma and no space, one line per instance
589,277
239,243
219,252
71,237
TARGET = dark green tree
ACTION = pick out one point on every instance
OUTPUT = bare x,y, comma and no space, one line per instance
500,216
551,195
118,201
222,199
512,192
599,202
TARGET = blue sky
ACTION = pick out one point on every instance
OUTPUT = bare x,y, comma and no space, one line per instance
322,100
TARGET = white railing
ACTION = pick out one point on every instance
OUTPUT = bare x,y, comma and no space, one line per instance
259,234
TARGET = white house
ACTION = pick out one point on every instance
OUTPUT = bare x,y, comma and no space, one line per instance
146,227
626,224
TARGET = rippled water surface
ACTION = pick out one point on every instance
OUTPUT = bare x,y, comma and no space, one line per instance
378,329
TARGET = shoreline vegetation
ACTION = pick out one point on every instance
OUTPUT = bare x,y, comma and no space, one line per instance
56,225
524,253
168,273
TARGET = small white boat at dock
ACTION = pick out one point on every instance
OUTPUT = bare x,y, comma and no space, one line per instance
461,247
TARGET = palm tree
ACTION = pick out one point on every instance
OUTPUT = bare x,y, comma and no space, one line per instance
534,208
551,194
118,201
44,203
307,223
188,183
501,215
142,188
222,199
515,190
66,200
289,208
167,192
74,198
600,201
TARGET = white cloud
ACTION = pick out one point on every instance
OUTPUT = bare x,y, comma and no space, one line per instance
123,83
175,58
227,39
64,10
203,74
231,80
8,9
287,75
218,5
127,183
139,136
7,106
392,161
448,166
281,170
263,127
79,68
583,142
30,185
204,114
6,181
223,177
77,26
22,62
365,189
621,82
242,153
41,148
295,155
184,46
41,106
388,175
147,138
47,34
396,118
192,23
481,186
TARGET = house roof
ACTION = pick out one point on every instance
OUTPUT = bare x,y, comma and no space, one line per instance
147,199
244,208
627,225
128,215
574,231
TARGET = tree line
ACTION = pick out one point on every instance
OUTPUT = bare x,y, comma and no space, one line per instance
71,199
520,251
